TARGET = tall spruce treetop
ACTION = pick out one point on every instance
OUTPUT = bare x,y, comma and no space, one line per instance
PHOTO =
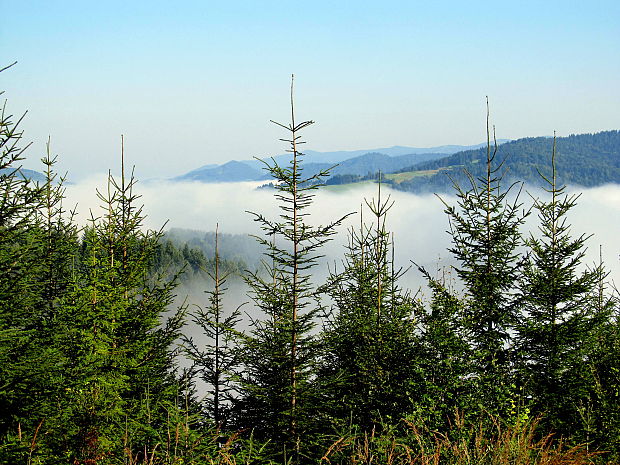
281,352
60,238
559,312
485,233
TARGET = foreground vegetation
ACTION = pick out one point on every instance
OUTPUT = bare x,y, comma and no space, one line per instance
519,366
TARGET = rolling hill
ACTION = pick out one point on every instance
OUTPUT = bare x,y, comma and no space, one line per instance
25,174
357,162
583,159
233,171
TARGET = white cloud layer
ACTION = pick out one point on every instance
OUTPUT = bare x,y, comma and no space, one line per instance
418,221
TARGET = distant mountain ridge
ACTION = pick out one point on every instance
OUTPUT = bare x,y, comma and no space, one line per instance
369,163
313,156
582,159
25,174
358,162
233,171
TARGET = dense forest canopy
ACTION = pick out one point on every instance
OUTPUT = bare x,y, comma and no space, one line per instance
520,365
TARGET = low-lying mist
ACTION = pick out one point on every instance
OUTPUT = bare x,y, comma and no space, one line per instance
418,221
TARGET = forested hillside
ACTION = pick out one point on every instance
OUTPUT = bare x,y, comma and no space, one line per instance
370,163
583,160
237,248
515,359
360,165
185,263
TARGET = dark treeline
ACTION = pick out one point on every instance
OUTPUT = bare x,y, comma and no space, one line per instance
186,262
350,178
352,370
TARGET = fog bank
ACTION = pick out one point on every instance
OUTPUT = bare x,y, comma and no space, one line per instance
418,221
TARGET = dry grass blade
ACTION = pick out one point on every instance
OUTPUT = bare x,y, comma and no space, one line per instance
465,444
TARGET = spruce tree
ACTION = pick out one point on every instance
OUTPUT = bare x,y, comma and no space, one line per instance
58,257
60,240
370,340
24,364
280,352
443,356
559,316
484,226
215,362
603,359
116,342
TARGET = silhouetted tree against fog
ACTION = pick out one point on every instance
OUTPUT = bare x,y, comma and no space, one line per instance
280,353
216,361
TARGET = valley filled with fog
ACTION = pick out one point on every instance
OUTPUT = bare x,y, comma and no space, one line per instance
418,222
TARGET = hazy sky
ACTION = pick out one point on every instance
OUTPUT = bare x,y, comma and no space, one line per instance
192,83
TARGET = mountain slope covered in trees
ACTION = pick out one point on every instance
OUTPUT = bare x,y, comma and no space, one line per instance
582,160
357,162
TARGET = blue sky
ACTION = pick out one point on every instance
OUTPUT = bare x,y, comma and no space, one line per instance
197,82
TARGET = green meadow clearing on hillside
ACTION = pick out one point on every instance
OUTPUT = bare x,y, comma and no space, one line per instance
390,178
397,178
